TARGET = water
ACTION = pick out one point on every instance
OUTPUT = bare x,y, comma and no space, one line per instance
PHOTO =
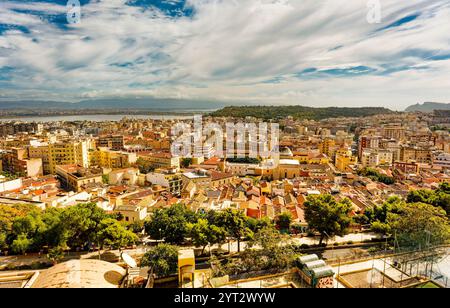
95,117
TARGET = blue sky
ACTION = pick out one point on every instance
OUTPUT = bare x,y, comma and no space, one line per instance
309,52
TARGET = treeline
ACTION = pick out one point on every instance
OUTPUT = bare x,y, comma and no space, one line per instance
25,228
419,221
297,112
376,176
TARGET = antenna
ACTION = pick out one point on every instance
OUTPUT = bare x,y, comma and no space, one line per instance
128,260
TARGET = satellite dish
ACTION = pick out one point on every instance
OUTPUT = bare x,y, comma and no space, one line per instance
128,260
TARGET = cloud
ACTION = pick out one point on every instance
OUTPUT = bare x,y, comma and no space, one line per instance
310,52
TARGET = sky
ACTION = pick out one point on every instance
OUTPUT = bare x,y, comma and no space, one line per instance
306,52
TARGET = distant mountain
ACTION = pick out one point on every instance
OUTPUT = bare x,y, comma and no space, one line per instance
151,104
297,112
428,107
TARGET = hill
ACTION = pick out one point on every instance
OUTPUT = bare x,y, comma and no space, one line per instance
153,104
428,107
298,112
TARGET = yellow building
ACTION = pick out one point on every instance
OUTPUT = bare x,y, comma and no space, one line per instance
162,160
328,147
345,159
286,169
68,153
186,266
106,158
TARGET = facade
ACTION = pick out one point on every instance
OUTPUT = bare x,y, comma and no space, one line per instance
169,180
68,153
106,158
16,161
162,160
74,177
114,142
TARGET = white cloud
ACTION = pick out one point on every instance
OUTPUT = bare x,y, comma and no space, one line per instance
229,50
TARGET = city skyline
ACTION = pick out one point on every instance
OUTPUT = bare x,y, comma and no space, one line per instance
269,52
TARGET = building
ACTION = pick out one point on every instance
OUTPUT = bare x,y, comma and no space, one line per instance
286,169
442,160
162,160
114,142
9,185
7,129
416,154
128,176
16,162
132,213
200,177
396,132
344,159
106,158
74,177
170,180
40,151
368,142
68,153
376,157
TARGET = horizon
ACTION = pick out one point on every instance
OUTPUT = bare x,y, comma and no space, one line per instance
251,52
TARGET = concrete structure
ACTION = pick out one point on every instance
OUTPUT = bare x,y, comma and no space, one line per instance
74,177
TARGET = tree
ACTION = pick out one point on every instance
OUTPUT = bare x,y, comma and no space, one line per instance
21,244
186,162
144,166
202,233
327,216
110,232
81,223
439,197
378,216
56,254
162,259
3,244
257,224
170,224
284,221
234,221
419,225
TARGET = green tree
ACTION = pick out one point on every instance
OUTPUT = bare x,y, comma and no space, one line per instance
162,259
170,224
202,233
186,162
378,216
21,244
283,221
144,166
257,224
111,233
56,254
419,225
235,222
81,224
327,216
3,244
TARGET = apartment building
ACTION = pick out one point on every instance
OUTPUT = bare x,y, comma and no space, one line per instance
114,142
74,177
170,180
162,160
421,155
106,158
68,153
16,161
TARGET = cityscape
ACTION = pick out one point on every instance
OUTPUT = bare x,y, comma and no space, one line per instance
252,190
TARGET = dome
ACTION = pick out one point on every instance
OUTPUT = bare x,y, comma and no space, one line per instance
81,274
286,152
